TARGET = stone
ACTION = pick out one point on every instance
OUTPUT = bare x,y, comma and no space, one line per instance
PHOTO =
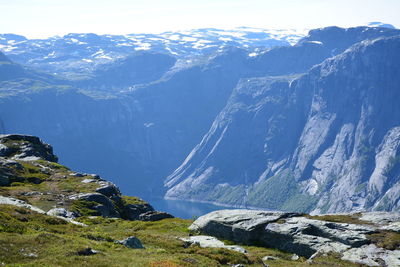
154,216
270,258
108,189
131,242
86,181
295,257
241,226
373,256
210,242
87,252
133,211
61,212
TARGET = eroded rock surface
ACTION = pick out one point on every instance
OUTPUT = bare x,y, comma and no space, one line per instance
210,242
305,235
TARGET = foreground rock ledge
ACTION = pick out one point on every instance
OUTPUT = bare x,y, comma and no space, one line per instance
305,235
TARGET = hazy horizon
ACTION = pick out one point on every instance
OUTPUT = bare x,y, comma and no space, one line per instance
46,18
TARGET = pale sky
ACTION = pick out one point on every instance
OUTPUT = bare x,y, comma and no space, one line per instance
44,18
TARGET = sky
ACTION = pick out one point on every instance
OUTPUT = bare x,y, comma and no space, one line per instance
45,18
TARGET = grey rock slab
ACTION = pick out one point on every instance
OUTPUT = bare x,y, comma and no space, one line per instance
205,241
61,212
243,219
373,256
380,218
86,181
154,216
131,242
288,232
108,189
270,258
19,203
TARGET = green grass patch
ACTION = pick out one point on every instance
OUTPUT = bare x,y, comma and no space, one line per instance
386,239
85,208
339,218
127,200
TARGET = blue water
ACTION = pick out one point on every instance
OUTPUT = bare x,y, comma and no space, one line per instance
183,209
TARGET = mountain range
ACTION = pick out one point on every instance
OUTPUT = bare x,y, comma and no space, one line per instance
282,120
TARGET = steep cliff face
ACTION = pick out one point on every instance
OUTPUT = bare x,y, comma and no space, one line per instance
140,135
327,141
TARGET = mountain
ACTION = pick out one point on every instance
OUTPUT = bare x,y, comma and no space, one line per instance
125,73
154,109
77,55
326,141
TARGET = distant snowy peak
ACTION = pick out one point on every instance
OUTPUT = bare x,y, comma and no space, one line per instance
80,53
380,24
241,35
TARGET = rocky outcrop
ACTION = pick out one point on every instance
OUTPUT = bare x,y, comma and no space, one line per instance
152,216
27,162
108,189
134,211
131,242
25,147
19,203
305,235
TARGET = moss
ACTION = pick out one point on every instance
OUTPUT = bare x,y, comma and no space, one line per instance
127,200
222,256
338,218
10,225
53,165
30,173
85,208
385,239
14,184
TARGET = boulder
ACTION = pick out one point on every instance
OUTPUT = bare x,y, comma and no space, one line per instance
108,189
210,242
242,226
133,211
131,242
154,216
87,252
61,212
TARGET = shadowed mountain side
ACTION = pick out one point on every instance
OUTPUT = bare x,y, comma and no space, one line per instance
324,142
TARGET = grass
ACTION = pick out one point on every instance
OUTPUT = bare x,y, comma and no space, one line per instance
127,200
84,208
385,239
28,238
33,239
339,218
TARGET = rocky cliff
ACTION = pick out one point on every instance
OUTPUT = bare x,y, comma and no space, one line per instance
30,177
326,141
